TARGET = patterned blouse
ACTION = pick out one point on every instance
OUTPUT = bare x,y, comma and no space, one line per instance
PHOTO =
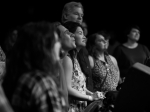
37,92
78,83
105,75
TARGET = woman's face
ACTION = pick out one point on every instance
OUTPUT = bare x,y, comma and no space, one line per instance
80,39
57,47
67,38
134,34
100,42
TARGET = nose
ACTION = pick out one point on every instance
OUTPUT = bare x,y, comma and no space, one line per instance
80,17
72,35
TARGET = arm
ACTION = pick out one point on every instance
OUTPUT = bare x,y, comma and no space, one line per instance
88,92
4,103
68,69
91,60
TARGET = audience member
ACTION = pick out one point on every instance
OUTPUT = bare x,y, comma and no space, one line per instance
105,71
112,43
85,28
73,11
31,81
68,43
75,78
131,51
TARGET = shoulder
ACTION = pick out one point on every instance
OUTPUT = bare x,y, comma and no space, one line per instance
37,78
91,60
37,85
113,59
67,63
67,59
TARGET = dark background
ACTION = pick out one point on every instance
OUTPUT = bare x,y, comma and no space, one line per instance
112,15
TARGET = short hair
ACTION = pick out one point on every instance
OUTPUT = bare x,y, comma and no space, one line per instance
69,7
129,28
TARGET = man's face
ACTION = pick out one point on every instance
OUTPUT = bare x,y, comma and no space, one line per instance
76,15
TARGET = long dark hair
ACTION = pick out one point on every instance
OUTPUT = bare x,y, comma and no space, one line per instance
72,27
92,50
33,50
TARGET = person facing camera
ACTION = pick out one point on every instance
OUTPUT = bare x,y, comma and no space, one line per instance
105,71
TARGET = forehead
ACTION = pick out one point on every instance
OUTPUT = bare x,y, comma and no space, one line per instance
79,29
99,37
77,9
62,28
134,29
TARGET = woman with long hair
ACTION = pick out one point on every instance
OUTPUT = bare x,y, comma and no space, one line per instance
75,78
31,74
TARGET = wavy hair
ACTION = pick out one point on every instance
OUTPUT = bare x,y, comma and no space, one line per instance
92,50
72,27
33,50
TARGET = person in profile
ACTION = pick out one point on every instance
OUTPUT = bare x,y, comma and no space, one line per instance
74,11
31,82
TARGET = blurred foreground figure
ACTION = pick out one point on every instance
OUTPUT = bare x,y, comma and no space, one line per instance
31,83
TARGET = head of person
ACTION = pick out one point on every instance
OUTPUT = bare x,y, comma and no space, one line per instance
10,39
77,30
72,11
133,33
97,42
67,38
36,48
85,27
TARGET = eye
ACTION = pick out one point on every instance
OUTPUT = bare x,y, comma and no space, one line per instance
81,15
67,32
75,13
80,32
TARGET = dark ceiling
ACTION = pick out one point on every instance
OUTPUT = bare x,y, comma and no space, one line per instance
99,14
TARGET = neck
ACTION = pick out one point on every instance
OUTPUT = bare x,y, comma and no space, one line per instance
100,55
64,53
78,49
131,44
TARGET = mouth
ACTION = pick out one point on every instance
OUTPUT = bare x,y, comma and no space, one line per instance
84,41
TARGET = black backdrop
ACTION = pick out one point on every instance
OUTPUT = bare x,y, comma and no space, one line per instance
99,14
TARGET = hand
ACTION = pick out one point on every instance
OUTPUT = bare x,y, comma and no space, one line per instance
100,95
95,96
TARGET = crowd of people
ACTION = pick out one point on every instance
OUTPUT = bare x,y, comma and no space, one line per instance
59,67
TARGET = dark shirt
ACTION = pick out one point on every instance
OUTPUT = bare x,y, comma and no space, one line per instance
85,67
126,57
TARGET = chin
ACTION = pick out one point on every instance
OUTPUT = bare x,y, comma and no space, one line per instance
74,46
79,22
